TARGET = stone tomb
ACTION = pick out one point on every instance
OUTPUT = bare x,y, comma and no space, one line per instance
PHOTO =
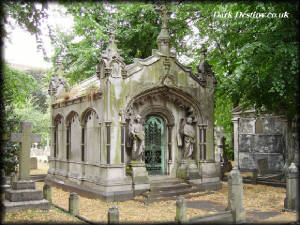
262,139
129,122
23,194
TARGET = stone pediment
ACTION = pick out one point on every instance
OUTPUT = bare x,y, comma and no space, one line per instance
139,64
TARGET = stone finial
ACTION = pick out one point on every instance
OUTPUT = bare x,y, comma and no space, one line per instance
113,215
163,39
111,63
180,210
74,204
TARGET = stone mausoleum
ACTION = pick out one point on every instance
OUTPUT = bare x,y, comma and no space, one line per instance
114,130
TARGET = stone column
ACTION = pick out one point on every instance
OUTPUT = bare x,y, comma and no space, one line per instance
113,215
74,204
290,202
235,196
181,210
47,192
235,121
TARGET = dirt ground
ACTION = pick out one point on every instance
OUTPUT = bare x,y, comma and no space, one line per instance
257,200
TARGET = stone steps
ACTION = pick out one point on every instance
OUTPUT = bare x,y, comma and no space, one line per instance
164,187
17,206
161,199
170,193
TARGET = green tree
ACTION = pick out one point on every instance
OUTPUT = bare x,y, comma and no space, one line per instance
136,27
15,89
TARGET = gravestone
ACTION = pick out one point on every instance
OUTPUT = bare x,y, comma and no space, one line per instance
33,163
23,194
263,166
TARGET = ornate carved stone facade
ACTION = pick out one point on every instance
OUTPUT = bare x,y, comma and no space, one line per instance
94,152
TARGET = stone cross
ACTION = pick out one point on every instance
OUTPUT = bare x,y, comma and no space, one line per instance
25,138
163,11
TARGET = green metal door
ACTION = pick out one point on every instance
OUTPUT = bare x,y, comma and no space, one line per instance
155,145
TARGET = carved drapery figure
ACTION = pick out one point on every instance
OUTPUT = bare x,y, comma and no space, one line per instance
137,134
187,133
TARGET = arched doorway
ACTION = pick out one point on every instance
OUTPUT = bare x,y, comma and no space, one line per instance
155,145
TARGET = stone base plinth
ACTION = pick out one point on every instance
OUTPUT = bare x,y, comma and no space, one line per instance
17,206
188,170
23,195
107,190
140,178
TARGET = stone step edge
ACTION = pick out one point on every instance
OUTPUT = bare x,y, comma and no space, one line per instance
169,187
161,182
173,193
147,201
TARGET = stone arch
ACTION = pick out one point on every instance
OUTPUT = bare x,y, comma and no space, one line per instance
86,112
70,115
58,127
90,138
159,110
58,117
72,132
177,96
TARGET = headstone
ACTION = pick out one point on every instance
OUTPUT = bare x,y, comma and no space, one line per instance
290,202
23,194
181,210
113,215
263,166
33,163
25,138
235,196
74,204
47,192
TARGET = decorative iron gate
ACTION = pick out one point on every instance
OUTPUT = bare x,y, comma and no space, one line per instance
154,145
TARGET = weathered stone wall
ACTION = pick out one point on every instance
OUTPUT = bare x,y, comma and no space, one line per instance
261,138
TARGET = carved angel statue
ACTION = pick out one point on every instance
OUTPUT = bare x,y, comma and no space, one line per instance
137,135
187,134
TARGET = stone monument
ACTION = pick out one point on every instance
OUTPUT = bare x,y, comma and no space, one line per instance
93,144
140,179
23,194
